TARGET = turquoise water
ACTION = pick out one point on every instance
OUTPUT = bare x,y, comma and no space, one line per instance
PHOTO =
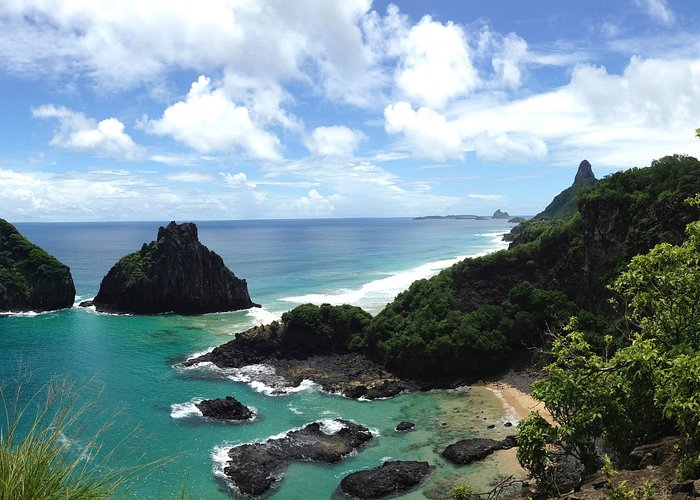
135,359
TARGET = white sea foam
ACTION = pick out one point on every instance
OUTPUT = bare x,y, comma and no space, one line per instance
262,316
294,409
496,239
331,426
26,314
261,378
186,410
377,293
219,456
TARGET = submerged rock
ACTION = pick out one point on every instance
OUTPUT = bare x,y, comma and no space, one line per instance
30,278
467,451
255,467
174,273
390,478
228,408
405,426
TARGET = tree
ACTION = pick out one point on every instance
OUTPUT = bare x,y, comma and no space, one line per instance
622,398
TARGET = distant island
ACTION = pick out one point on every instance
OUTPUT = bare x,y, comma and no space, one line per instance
453,217
498,214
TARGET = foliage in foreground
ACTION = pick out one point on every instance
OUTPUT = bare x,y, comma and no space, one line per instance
45,452
647,388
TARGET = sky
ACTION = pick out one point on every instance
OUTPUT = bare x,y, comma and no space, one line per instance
253,109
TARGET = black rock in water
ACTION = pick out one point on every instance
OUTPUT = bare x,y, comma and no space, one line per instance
500,215
227,408
467,451
255,467
405,426
175,273
390,479
30,278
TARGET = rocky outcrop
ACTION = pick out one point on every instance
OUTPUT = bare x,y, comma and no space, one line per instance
174,273
405,426
255,467
353,375
30,278
391,478
516,220
467,451
564,205
500,215
308,352
228,408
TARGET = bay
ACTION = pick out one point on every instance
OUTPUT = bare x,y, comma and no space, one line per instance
134,360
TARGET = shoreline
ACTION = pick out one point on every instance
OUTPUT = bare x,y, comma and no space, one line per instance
516,400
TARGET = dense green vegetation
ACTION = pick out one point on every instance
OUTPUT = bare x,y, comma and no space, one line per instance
649,386
310,328
485,312
23,266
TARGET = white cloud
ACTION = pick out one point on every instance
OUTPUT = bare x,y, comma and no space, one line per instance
209,121
237,179
476,196
518,147
315,204
122,45
78,132
657,10
435,64
614,120
336,141
190,177
428,134
508,59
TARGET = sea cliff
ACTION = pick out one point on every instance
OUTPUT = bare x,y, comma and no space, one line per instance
30,278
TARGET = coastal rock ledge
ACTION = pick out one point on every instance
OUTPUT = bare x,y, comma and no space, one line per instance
254,468
174,273
391,478
228,408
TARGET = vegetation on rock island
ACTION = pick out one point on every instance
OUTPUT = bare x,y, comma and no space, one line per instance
30,278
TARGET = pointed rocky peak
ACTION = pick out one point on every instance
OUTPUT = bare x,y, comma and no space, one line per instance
500,215
186,231
584,172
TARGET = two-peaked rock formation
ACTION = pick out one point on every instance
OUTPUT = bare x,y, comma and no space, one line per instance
175,273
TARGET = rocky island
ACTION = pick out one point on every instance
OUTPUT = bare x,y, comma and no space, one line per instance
254,468
174,273
30,278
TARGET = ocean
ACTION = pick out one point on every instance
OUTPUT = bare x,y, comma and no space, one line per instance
129,366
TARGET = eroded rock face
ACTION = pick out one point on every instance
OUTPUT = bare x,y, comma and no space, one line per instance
174,273
467,451
391,478
30,278
228,408
254,468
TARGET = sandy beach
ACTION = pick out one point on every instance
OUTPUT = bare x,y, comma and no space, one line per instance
518,402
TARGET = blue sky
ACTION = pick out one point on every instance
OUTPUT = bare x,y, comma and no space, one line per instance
243,109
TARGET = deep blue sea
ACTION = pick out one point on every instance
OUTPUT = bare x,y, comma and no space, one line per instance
134,360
